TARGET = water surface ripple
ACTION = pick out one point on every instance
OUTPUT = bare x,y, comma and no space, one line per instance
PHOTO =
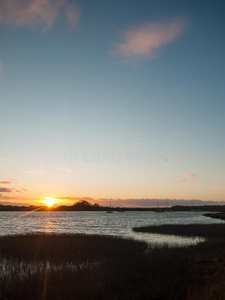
117,223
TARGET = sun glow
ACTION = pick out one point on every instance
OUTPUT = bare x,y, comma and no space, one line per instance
49,201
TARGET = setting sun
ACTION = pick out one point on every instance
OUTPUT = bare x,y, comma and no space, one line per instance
49,201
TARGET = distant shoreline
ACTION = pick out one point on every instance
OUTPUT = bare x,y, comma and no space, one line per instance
218,211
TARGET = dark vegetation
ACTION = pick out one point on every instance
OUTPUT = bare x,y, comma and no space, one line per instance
75,266
207,259
75,248
190,230
220,215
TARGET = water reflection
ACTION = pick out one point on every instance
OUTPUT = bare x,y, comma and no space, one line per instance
48,224
102,223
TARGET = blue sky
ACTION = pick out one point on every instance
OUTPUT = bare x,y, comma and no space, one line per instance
112,99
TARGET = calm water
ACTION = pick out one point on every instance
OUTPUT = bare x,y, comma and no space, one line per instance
119,224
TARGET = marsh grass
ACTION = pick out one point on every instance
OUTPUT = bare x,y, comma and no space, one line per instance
73,266
189,230
218,215
75,248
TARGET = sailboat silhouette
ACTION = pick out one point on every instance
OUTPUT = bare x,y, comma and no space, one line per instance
160,210
110,211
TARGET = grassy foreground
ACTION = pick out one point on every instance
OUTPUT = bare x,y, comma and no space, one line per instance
61,266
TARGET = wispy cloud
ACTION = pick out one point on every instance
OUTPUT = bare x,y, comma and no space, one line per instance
192,176
40,166
6,190
37,13
72,14
6,159
62,169
147,40
189,177
5,182
21,190
32,171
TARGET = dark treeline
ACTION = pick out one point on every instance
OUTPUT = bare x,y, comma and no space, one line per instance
83,205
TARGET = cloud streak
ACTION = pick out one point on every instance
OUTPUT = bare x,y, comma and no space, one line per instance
6,159
21,190
5,182
63,169
189,177
37,13
40,166
32,171
6,190
192,176
147,40
72,14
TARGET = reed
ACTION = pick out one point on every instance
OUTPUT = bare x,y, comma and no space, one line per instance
73,266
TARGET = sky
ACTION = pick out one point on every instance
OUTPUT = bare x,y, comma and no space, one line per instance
113,100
